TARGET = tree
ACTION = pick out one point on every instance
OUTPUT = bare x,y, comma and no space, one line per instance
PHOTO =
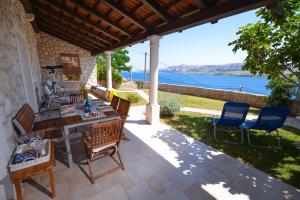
273,43
119,62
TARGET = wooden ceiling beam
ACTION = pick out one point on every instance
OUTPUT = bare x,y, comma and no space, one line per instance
75,28
118,7
28,9
218,11
204,3
68,29
81,19
67,39
104,18
71,21
161,12
74,37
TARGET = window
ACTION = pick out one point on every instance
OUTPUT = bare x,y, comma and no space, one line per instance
71,67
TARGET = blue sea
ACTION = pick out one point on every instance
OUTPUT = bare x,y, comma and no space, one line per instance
248,84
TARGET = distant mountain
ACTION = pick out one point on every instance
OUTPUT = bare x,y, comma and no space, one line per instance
231,68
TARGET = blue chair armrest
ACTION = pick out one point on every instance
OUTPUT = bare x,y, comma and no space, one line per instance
248,124
215,120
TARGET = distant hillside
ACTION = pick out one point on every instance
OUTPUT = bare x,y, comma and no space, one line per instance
232,68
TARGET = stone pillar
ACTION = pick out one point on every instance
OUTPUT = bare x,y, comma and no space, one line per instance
108,72
153,109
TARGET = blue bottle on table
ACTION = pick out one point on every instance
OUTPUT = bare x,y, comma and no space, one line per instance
87,107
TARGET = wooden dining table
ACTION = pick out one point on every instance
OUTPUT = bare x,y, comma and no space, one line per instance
73,116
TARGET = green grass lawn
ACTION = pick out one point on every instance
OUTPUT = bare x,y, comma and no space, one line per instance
283,164
126,95
196,102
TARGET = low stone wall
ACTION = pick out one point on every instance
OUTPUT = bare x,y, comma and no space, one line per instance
129,85
254,100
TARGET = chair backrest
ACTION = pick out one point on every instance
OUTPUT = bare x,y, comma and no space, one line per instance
50,84
271,118
24,120
76,97
234,113
47,91
115,102
106,133
123,108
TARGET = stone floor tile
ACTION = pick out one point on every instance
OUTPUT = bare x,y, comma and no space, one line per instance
155,185
172,192
196,192
141,192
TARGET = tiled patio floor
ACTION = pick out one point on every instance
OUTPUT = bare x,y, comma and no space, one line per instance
161,163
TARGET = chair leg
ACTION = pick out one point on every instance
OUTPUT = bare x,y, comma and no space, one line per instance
248,135
242,136
90,170
257,146
120,159
113,153
124,136
215,132
279,139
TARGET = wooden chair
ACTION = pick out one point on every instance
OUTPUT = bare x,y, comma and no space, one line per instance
76,98
115,102
123,110
103,141
25,123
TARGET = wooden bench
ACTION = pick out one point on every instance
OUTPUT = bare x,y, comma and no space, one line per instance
25,123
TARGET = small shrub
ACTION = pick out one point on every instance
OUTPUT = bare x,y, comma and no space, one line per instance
133,98
140,85
168,107
282,93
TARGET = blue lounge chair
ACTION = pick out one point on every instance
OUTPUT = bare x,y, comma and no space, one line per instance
233,115
269,120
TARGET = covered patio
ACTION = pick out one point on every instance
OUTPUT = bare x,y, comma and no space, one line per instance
160,162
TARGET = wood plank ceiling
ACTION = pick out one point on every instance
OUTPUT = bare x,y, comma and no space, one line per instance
100,25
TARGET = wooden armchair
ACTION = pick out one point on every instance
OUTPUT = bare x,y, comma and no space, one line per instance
76,98
25,123
115,102
103,141
123,110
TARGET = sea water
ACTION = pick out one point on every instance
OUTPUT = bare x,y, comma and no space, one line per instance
248,84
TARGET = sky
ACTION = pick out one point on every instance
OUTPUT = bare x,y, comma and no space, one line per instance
204,44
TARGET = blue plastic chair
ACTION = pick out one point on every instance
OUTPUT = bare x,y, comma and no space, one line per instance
233,115
269,120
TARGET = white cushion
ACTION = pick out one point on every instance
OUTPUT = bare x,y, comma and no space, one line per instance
47,91
104,147
49,83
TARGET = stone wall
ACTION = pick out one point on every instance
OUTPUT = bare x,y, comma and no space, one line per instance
129,85
50,48
12,95
253,99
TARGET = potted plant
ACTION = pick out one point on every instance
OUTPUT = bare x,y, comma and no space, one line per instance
85,90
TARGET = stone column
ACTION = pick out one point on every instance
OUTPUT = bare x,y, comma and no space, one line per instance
108,72
153,109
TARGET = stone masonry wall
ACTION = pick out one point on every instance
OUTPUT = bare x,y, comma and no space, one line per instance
12,95
50,48
253,99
